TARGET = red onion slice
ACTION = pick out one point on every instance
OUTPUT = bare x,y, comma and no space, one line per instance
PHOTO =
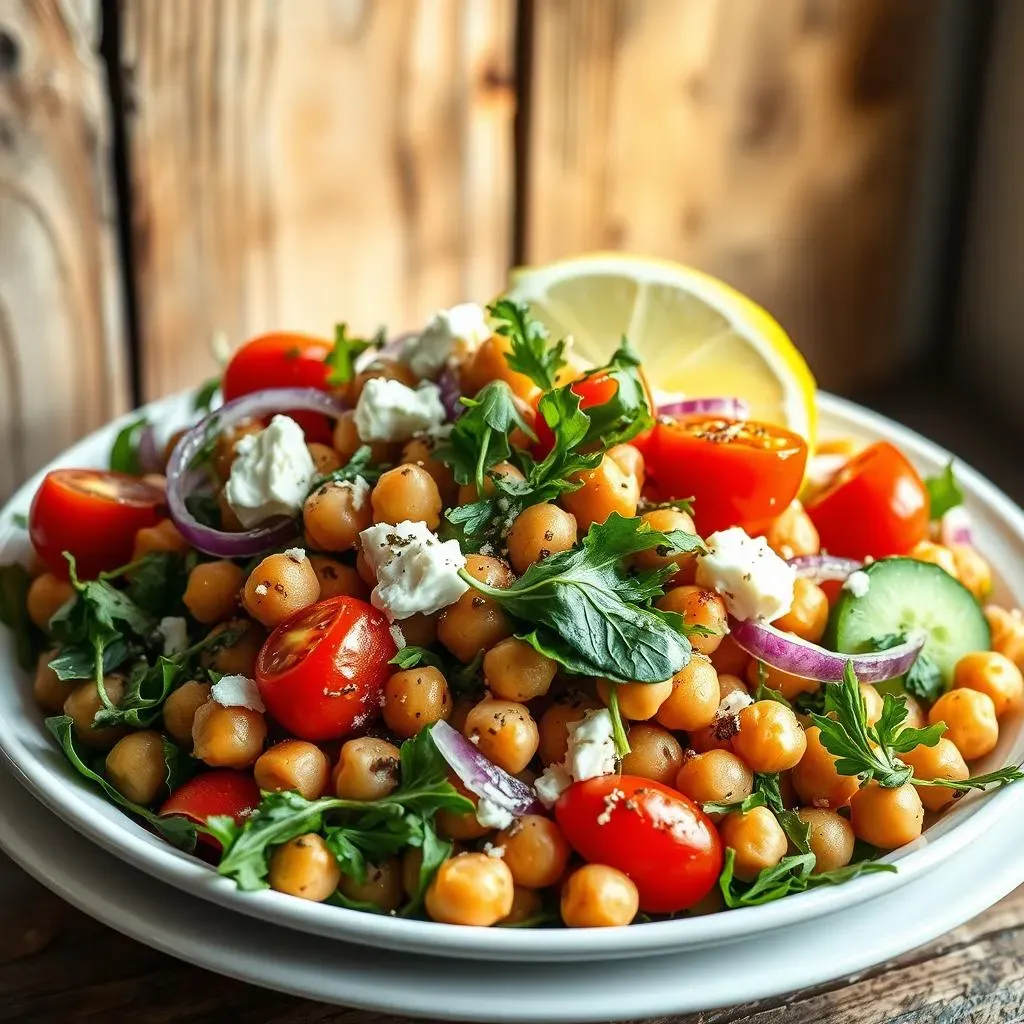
148,450
822,568
451,392
956,527
730,408
481,776
180,481
799,657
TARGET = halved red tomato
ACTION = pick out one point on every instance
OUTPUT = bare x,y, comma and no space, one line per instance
738,472
217,792
94,514
322,672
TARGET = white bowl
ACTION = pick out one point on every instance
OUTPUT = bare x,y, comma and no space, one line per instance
41,767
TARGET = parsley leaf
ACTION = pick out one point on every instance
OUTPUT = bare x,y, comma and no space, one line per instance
358,466
410,656
28,640
124,453
944,492
531,354
748,803
923,679
340,361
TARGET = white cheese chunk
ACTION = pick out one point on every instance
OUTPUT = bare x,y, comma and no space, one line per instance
296,554
174,631
387,410
857,583
551,784
591,746
416,572
272,473
237,692
463,327
358,489
492,815
497,852
397,635
752,579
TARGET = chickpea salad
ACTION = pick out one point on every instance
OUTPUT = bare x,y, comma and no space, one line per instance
453,626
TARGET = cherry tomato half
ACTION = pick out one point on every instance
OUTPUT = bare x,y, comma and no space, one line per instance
282,360
739,473
220,791
877,505
94,514
322,672
657,836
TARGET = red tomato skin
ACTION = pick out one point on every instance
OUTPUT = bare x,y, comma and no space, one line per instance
221,791
732,484
877,506
661,839
78,510
282,359
333,688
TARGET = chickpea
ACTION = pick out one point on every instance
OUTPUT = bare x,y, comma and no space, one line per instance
406,492
605,489
325,458
475,623
730,658
135,766
224,449
1007,632
46,596
335,514
347,441
553,726
504,732
637,701
420,451
698,607
886,818
873,702
212,592
180,709
716,776
757,838
936,554
304,867
229,520
420,630
368,769
793,533
916,718
471,889
382,886
237,658
787,684
227,737
492,571
414,699
536,852
992,673
539,531
513,670
337,579
694,699
970,718
808,616
468,492
279,587
770,739
815,777
716,736
83,703
451,825
630,460
160,538
972,570
461,708
490,363
942,761
597,896
665,520
49,691
388,369
654,754
830,837
293,764
526,903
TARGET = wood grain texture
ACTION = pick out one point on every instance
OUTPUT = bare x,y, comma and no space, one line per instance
62,361
296,164
771,144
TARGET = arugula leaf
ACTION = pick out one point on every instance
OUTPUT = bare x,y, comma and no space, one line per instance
157,582
207,449
203,507
767,784
462,679
763,691
466,679
797,830
531,354
680,504
410,656
341,359
28,640
124,454
179,767
589,610
202,399
944,492
435,852
175,829
79,662
748,803
358,466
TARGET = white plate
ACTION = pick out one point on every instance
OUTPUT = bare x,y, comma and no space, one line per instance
1000,527
330,971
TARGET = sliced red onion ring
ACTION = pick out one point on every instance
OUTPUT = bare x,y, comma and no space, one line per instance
956,527
180,481
481,776
799,657
821,568
148,451
451,392
731,408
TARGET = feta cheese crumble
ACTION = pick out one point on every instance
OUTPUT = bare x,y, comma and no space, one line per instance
857,583
497,852
591,746
461,327
492,815
551,784
359,491
752,579
272,473
387,410
174,631
237,692
296,554
415,571
397,635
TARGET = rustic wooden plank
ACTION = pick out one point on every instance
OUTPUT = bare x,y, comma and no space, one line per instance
298,164
771,144
62,361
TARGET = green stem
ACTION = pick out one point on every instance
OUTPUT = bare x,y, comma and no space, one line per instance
622,747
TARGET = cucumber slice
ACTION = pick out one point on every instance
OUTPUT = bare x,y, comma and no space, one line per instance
906,596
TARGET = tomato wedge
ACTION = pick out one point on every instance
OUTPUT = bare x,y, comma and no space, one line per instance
220,791
92,513
660,838
322,672
739,473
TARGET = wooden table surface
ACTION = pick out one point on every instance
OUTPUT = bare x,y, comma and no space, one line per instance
56,964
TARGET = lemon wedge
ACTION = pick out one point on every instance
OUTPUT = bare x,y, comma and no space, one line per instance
695,334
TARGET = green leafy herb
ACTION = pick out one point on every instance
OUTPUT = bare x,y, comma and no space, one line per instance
923,679
20,520
28,640
360,465
203,507
179,767
124,454
763,691
176,830
341,359
679,504
466,679
767,784
410,656
531,353
810,703
1001,777
208,447
748,803
79,662
157,582
202,399
944,492
619,737
591,612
